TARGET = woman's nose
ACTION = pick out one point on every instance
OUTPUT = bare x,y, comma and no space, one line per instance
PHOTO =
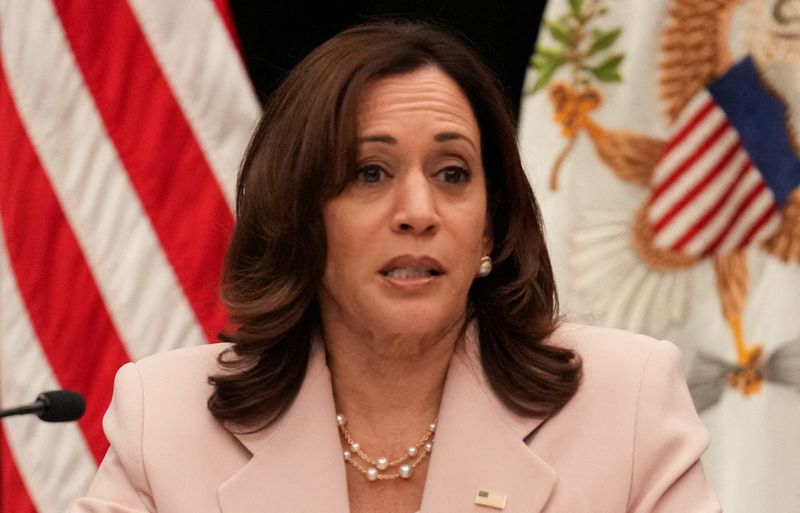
415,206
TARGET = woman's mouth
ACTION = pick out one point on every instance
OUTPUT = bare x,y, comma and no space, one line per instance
405,273
412,273
410,267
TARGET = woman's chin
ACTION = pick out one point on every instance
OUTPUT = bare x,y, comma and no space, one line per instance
416,322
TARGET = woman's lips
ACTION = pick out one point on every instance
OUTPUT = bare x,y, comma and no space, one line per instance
405,273
412,267
411,273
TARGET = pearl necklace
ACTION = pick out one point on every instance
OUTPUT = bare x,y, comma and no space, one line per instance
374,471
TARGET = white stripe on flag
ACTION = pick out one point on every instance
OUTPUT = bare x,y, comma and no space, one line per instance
689,145
708,198
698,205
212,89
747,220
724,217
52,459
711,193
696,170
695,105
138,285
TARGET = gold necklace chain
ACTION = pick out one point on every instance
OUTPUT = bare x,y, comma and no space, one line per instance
416,453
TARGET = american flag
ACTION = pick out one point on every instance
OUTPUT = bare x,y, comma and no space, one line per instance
122,124
707,197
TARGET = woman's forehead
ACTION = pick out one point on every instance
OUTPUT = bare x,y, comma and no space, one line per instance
426,95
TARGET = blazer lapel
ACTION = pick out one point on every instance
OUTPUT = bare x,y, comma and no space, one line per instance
479,446
296,464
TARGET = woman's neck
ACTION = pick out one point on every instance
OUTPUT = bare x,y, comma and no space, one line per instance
389,386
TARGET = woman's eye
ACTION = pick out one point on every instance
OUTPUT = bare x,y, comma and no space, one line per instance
454,174
370,174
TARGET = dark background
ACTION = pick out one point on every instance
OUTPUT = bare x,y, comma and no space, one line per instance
275,35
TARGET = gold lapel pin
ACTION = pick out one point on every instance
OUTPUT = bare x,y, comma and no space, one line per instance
490,499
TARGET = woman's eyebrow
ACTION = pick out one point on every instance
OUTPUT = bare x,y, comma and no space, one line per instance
450,136
388,139
440,137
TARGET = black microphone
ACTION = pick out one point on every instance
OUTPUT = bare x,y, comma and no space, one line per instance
55,406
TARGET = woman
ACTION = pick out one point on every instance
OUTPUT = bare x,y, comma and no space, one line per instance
396,344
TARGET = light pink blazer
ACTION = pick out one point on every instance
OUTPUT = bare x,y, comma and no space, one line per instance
629,441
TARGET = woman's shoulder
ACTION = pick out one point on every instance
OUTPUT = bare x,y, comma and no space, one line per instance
200,358
630,384
175,372
631,421
616,357
169,390
608,345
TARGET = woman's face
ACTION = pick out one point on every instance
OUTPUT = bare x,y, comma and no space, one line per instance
406,236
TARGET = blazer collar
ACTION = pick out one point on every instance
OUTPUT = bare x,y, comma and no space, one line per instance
480,445
297,463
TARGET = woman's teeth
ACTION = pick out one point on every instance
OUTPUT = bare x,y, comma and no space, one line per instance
406,273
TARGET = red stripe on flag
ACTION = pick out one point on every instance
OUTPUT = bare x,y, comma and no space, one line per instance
224,9
56,284
14,496
715,208
757,189
760,222
157,147
698,187
688,163
690,126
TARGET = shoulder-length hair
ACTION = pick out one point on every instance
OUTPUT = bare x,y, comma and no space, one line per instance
302,154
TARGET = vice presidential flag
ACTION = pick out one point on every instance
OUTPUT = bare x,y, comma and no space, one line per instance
663,141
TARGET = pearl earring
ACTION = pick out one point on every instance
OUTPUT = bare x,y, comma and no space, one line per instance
486,266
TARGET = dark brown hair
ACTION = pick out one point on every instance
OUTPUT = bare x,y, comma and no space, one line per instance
302,154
